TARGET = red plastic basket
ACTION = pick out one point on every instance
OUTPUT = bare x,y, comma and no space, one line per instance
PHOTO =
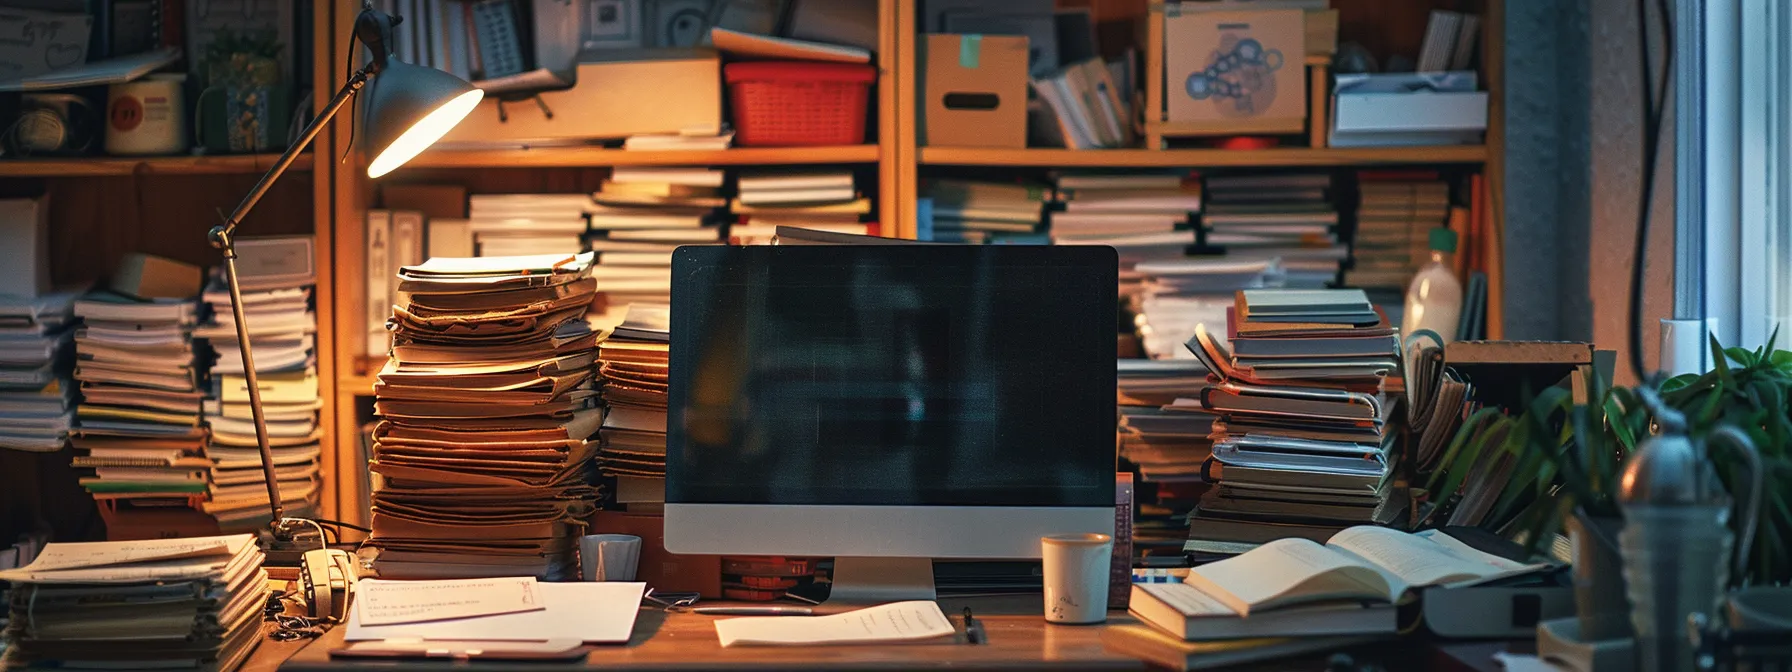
795,103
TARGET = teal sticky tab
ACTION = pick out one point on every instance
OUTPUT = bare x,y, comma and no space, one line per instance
970,51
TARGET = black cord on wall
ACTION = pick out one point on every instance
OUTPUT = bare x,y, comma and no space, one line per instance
1654,104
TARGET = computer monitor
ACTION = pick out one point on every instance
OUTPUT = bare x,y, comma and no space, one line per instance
889,401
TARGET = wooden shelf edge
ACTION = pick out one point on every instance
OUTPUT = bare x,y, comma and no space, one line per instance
1202,158
356,385
575,157
104,166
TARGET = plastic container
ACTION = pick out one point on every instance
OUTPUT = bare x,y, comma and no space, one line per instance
798,104
1434,299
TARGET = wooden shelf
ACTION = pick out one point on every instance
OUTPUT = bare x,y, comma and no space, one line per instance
356,385
101,166
1201,158
576,157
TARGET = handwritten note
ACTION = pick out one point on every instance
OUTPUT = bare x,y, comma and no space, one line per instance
391,602
897,621
33,42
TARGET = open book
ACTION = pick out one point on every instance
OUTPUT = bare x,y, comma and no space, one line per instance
1308,588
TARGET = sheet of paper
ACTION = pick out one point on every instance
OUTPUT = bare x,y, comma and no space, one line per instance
105,553
390,602
591,612
894,622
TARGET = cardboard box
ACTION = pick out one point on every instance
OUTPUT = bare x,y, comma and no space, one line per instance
664,571
975,87
25,246
146,276
616,93
1231,72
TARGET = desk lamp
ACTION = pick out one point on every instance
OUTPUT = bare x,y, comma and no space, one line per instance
408,108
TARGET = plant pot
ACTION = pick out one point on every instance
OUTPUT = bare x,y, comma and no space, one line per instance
1599,597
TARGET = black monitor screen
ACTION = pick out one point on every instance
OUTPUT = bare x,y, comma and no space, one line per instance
892,375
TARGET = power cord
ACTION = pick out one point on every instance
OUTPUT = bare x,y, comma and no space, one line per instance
1654,104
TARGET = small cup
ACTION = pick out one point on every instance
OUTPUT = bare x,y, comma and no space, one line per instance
609,557
1076,577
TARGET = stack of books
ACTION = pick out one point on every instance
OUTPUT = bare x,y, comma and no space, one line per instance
283,331
1145,217
661,142
632,363
1393,227
138,425
1084,107
488,407
825,200
164,604
1165,448
966,211
643,214
1288,217
1301,436
1174,295
37,397
506,225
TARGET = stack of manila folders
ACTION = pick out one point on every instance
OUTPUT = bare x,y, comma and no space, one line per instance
1294,596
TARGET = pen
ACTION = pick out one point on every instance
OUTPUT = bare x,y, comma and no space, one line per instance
973,628
755,611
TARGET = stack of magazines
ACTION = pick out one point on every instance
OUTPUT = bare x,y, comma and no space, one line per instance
1301,445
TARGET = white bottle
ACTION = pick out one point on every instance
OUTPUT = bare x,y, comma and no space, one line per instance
1434,300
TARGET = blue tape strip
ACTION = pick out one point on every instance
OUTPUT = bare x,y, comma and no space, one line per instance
970,51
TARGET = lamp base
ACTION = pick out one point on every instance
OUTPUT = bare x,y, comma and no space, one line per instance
286,540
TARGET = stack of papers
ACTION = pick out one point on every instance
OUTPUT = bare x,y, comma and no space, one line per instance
1166,446
967,211
1300,434
283,330
826,200
1145,217
643,214
1289,218
506,609
36,354
1393,228
632,365
139,421
488,405
190,604
525,224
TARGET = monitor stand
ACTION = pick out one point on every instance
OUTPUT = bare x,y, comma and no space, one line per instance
867,581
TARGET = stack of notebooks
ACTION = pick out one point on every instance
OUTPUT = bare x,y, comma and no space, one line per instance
1394,220
164,604
1145,217
37,398
1300,438
283,331
825,200
1289,217
522,224
966,211
1166,448
643,214
488,406
1174,295
138,426
632,363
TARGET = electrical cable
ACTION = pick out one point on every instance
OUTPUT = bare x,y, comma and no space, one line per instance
1654,105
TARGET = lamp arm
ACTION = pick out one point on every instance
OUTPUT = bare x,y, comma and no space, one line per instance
223,237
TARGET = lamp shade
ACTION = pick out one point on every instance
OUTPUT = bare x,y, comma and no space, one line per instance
408,108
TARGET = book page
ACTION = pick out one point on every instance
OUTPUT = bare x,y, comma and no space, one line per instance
1288,571
1186,599
1415,561
898,621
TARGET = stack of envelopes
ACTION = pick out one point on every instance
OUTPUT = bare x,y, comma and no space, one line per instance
1301,431
37,401
140,399
164,604
633,367
488,408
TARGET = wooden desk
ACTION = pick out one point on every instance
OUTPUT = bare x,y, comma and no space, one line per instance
685,642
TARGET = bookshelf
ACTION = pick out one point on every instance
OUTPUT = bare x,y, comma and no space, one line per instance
103,166
894,156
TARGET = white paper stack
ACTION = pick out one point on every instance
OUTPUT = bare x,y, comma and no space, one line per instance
36,355
1286,217
165,604
523,224
825,200
138,425
1143,216
283,330
642,215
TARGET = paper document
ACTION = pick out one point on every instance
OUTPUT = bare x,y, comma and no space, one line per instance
592,612
390,602
898,621
104,553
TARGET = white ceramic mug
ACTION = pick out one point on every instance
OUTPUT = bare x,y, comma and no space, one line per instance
147,116
609,557
1076,577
